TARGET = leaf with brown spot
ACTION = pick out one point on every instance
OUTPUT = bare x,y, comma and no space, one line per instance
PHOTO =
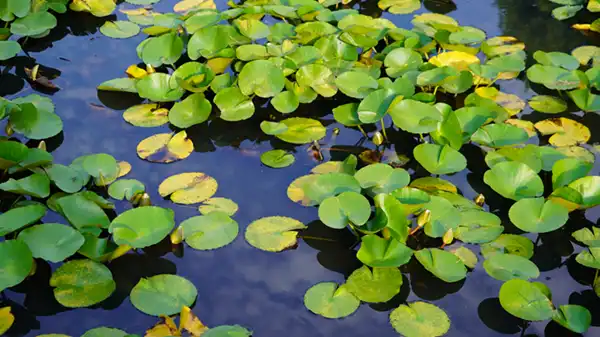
564,131
165,147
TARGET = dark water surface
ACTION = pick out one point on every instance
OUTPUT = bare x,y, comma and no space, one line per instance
264,291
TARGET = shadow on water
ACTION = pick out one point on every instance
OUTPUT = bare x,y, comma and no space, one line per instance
246,286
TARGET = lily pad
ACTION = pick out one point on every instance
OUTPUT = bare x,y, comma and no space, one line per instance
105,332
444,265
227,330
536,215
35,122
163,294
402,60
274,233
99,8
378,252
564,131
573,317
356,84
165,147
508,244
36,185
19,217
234,105
16,263
525,300
120,29
194,109
82,283
34,24
420,319
375,286
52,241
217,204
506,267
142,227
211,231
262,78
277,158
548,104
415,117
514,180
126,189
466,255
499,135
296,130
347,208
381,178
6,319
439,159
188,188
444,217
9,49
156,87
329,300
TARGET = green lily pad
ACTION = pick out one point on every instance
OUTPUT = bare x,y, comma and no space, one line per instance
36,185
536,215
356,84
548,104
277,158
390,214
381,178
329,300
119,85
444,216
402,60
227,330
444,265
262,78
19,217
217,204
552,77
156,88
211,231
346,208
188,188
508,244
99,8
83,213
193,76
194,109
399,6
589,189
415,117
126,189
556,59
285,102
9,49
420,319
34,24
589,237
16,263
234,105
468,258
499,135
163,295
274,233
296,130
120,29
589,258
82,283
573,317
565,12
164,49
105,332
514,181
35,122
142,227
318,77
64,177
52,241
506,267
568,170
378,252
528,155
439,159
525,300
328,185
252,28
374,286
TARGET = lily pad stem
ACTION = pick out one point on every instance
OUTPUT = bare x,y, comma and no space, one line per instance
596,276
435,90
383,129
362,131
316,238
412,232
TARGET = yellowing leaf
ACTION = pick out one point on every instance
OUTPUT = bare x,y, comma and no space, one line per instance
146,115
523,124
165,147
564,131
189,322
136,72
120,251
512,103
188,188
98,8
135,11
166,328
456,59
186,5
219,65
582,26
6,319
124,169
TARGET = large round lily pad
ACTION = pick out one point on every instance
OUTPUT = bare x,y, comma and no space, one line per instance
444,265
525,300
378,252
274,233
82,283
420,319
506,267
211,231
163,294
536,215
330,300
439,159
375,286
20,217
142,227
52,241
514,180
262,78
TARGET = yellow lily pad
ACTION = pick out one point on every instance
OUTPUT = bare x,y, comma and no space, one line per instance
456,59
124,169
188,188
136,72
187,5
146,115
564,131
511,103
523,124
165,147
6,319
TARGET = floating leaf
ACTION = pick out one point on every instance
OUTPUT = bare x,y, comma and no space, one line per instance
415,117
19,217
163,294
374,286
277,158
35,122
535,215
52,241
16,263
508,244
514,180
590,238
525,300
548,104
318,77
565,12
156,87
444,265
224,205
36,185
34,24
330,300
105,332
120,29
381,178
589,190
553,77
98,8
439,159
378,252
262,78
573,317
165,147
444,216
119,85
402,60
466,255
399,6
499,135
194,109
506,267
564,131
356,84
274,233
211,231
126,189
346,208
83,213
146,115
420,319
6,319
296,130
188,188
82,283
9,49
227,330
142,227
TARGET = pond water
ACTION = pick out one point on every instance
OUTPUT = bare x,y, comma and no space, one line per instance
264,291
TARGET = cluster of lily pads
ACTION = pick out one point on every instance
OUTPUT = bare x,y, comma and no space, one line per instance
570,8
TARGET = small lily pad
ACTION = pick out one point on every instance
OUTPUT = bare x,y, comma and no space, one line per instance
16,263
548,104
525,300
52,241
420,319
536,215
126,189
375,286
508,244
188,188
466,255
142,227
573,317
378,252
165,147
120,29
346,208
444,265
163,295
514,180
19,217
146,115
439,159
274,233
330,300
211,231
277,158
217,204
